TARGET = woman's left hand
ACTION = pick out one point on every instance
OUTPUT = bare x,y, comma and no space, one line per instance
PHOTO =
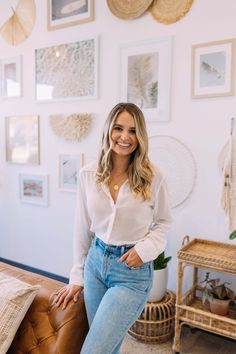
131,258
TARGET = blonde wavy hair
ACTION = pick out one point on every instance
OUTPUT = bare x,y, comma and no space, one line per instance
140,170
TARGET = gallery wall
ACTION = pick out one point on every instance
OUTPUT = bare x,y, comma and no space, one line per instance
40,236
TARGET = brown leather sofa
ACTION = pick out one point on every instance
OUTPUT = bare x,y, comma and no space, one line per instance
45,328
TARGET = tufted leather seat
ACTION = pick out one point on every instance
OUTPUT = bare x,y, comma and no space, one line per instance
45,328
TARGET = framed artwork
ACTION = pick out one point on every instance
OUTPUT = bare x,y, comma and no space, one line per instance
22,139
67,71
69,166
146,77
65,13
11,77
33,189
213,69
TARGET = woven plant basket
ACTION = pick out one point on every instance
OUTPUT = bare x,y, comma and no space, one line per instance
156,322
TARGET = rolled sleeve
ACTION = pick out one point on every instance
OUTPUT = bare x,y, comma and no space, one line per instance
155,241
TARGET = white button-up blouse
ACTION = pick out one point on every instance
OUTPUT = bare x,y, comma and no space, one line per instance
130,220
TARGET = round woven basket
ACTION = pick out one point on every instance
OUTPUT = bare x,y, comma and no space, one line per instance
128,9
170,11
156,322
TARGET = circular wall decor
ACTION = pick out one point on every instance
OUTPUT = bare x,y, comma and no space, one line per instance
128,9
170,11
178,164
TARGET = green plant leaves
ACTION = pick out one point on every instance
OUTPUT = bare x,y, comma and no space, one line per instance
161,261
232,235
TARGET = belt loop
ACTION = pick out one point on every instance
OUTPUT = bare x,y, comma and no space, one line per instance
122,250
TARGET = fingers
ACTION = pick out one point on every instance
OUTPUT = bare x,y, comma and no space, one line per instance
125,256
131,258
77,295
65,294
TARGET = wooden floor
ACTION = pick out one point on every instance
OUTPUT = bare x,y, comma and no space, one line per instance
196,342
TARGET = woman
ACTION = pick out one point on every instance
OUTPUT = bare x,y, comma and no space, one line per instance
122,216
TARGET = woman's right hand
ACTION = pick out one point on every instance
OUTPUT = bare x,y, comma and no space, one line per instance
67,293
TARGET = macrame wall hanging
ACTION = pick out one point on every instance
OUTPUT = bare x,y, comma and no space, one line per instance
227,165
73,127
178,164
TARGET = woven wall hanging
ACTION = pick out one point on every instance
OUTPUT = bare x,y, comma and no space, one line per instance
170,11
128,9
178,164
73,127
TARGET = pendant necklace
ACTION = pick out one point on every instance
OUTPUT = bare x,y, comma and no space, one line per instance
116,186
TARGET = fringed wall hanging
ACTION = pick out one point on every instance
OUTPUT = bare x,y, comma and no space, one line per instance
227,165
73,127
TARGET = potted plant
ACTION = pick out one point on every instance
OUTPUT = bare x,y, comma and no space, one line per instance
160,278
232,235
219,295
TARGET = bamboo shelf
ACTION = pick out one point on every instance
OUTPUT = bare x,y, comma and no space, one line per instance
200,253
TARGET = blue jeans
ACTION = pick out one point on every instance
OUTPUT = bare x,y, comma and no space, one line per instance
114,294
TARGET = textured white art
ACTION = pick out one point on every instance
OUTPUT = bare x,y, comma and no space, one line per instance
66,71
72,127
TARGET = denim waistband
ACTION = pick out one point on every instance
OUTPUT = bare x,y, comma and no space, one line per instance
118,250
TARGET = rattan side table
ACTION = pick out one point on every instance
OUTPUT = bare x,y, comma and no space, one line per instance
156,322
200,253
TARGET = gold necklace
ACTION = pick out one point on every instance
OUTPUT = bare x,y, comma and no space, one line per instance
116,185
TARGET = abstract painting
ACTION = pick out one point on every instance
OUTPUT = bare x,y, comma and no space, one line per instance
69,166
33,189
65,13
212,69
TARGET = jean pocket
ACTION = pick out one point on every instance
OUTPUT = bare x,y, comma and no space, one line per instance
143,266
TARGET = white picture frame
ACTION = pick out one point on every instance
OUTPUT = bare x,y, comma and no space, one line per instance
67,71
67,13
69,166
146,77
11,77
213,69
22,139
33,189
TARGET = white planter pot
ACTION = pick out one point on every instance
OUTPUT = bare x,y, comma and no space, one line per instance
159,285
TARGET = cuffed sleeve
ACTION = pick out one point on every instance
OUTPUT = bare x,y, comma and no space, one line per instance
155,241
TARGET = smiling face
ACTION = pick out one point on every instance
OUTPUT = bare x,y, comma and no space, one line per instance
123,135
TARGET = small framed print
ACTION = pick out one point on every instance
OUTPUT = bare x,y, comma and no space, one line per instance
213,69
22,139
69,166
33,189
146,77
69,13
11,77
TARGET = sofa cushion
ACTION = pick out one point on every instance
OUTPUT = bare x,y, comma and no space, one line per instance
16,297
47,329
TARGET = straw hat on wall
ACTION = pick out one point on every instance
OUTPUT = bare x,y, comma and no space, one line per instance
170,11
128,9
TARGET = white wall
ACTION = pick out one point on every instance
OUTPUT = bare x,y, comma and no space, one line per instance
42,237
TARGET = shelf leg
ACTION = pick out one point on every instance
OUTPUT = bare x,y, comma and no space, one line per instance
176,345
195,279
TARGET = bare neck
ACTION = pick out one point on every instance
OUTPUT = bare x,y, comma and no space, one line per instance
120,163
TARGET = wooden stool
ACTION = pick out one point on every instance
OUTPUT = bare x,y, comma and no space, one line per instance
156,322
